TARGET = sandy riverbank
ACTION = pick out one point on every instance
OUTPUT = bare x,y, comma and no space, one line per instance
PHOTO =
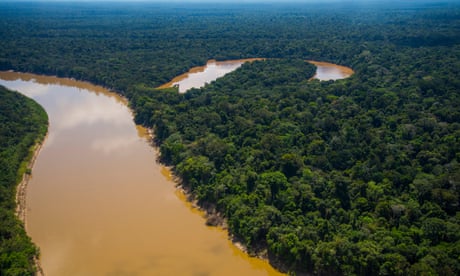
21,195
21,188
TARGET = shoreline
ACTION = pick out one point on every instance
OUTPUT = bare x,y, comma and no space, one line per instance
344,70
212,218
21,188
198,69
21,195
215,219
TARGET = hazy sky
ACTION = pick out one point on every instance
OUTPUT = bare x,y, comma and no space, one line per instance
239,1
195,1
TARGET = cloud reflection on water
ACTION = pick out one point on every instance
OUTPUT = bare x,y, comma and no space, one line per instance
72,107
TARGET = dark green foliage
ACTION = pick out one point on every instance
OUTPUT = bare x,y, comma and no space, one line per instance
359,176
22,123
316,172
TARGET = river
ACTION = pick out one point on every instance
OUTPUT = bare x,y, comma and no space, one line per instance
98,203
199,76
329,71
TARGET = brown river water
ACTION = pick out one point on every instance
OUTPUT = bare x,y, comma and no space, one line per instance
328,71
199,76
98,203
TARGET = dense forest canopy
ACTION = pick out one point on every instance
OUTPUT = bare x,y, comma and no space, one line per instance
22,123
358,176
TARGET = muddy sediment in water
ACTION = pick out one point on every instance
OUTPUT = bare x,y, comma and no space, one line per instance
98,202
91,196
330,71
200,75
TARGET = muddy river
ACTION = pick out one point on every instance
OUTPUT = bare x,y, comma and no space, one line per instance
98,202
199,76
329,71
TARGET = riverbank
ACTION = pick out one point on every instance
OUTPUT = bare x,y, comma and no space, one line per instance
120,180
330,71
208,211
21,188
214,219
198,76
203,77
21,193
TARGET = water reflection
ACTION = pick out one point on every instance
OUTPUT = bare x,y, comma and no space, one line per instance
68,110
110,145
99,204
211,72
329,71
199,76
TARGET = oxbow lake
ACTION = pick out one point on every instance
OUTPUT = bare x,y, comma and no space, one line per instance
199,76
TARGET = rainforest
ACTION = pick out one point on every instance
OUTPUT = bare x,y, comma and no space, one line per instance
23,124
358,176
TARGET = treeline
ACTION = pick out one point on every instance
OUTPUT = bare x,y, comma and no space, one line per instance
332,178
121,45
359,176
23,123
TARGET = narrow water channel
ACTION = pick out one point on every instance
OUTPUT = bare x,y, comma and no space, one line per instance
99,204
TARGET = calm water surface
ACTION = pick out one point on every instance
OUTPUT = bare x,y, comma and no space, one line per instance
199,76
329,71
99,204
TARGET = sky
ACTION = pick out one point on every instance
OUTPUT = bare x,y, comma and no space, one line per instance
196,1
237,1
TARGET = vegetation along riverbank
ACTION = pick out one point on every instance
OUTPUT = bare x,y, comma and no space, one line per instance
358,176
23,125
